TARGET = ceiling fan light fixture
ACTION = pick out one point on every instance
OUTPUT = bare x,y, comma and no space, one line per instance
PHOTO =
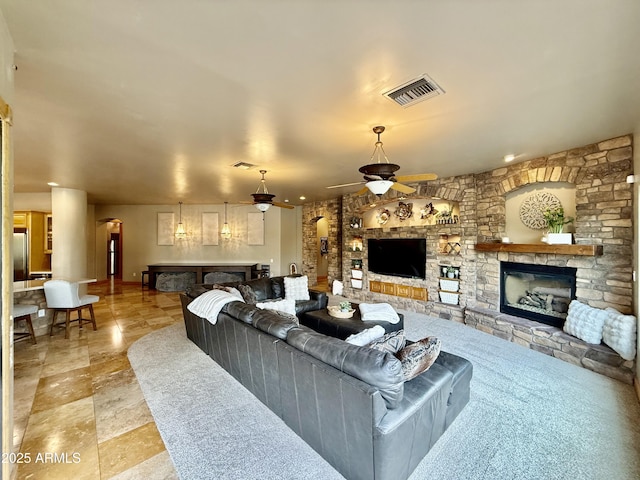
263,207
379,187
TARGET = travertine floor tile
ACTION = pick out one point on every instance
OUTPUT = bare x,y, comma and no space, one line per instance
78,407
130,449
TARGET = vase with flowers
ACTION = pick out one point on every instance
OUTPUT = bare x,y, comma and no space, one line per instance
556,220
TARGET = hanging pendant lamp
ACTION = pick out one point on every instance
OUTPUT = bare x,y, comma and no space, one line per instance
226,231
180,231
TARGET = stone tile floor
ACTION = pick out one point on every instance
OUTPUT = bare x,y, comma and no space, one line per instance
80,397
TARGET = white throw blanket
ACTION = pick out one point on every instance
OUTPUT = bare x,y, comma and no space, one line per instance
209,304
378,312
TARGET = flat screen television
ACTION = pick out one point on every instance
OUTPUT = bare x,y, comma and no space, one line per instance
399,257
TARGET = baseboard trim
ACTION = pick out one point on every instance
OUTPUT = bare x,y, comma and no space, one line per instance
636,384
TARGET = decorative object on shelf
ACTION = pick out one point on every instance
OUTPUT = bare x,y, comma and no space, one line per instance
404,211
339,312
449,271
446,216
533,207
449,297
452,248
428,211
555,220
180,231
449,285
355,222
356,245
226,230
356,263
263,199
383,216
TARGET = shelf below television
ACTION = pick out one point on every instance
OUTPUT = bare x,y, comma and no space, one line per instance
584,250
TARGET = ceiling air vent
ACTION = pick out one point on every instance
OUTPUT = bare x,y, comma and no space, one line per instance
414,91
243,165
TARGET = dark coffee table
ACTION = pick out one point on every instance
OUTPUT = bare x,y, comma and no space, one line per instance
322,322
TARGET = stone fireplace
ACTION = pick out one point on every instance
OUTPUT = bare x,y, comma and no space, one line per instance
537,292
601,257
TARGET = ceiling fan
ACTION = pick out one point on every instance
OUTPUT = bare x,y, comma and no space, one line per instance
380,176
262,199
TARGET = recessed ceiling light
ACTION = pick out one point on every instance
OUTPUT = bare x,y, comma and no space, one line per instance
52,184
302,197
509,158
286,200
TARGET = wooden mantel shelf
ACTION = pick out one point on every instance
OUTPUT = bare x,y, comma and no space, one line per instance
586,250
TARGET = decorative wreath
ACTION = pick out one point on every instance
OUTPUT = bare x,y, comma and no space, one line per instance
404,210
533,208
383,216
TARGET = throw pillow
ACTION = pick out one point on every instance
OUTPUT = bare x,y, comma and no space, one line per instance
619,332
366,336
287,316
585,322
390,342
248,294
418,357
296,288
286,305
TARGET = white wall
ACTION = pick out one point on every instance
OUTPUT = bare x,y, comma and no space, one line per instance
140,248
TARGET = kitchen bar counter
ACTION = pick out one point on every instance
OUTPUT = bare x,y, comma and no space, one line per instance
30,285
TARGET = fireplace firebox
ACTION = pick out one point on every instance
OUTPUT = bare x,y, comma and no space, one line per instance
537,292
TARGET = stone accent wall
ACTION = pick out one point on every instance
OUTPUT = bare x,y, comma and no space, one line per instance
461,190
604,209
604,216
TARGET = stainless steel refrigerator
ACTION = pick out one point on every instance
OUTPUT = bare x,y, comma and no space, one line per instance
20,254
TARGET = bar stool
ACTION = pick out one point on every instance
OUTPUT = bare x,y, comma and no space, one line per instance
63,296
145,278
23,312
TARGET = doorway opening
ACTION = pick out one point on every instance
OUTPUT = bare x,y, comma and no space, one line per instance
322,247
114,249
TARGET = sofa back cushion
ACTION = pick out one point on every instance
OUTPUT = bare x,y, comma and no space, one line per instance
240,310
379,369
272,323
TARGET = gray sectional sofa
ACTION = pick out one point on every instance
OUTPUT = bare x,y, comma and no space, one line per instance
349,403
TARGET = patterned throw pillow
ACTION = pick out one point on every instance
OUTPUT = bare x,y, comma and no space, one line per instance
287,316
296,288
248,294
585,322
286,305
418,357
390,343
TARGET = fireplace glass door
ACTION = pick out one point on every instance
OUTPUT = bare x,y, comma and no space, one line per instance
537,292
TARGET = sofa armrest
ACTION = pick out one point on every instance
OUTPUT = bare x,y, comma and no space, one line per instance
320,297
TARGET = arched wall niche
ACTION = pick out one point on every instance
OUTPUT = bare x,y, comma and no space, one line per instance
530,200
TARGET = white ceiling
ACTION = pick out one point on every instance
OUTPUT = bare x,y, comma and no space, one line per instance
151,102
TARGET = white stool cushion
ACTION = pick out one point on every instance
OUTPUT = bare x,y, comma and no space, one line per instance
87,299
20,310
